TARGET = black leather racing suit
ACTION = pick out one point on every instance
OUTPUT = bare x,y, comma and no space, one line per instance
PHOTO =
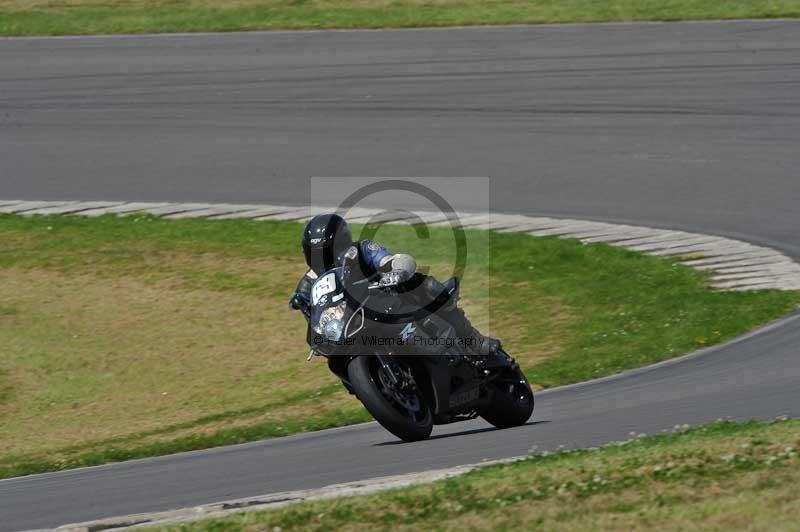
374,258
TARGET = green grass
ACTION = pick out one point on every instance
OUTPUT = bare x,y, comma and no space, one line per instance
133,337
724,476
130,447
84,17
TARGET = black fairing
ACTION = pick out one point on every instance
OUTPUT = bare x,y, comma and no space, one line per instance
428,346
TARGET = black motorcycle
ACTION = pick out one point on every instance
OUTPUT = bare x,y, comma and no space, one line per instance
408,368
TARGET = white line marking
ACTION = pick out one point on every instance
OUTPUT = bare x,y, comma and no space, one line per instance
216,210
261,211
72,208
123,209
736,265
25,206
278,500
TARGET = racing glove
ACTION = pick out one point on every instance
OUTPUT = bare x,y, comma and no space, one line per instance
393,278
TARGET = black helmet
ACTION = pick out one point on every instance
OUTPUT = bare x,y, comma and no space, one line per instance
325,237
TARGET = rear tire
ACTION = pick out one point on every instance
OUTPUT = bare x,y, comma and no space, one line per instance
512,403
405,424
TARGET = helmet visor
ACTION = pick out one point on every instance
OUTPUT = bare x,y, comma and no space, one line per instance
321,259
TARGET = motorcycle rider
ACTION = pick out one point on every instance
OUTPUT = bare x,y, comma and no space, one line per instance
325,239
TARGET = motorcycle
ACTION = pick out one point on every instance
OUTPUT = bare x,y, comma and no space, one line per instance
408,368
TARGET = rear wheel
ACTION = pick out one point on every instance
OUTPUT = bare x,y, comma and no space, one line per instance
402,411
512,401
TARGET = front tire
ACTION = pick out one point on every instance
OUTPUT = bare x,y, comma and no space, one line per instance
512,402
405,423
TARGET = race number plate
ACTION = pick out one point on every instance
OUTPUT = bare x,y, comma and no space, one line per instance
324,285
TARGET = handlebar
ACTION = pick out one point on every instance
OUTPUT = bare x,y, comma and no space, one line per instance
385,287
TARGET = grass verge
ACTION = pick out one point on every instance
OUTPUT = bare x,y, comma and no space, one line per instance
133,337
85,17
726,476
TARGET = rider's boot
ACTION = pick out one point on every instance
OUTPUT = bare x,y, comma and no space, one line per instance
484,347
483,350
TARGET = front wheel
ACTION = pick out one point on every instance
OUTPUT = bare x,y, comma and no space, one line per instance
512,401
403,412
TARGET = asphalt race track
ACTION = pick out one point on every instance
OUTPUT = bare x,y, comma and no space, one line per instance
693,126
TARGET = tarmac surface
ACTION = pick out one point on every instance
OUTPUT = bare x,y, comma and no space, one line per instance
689,125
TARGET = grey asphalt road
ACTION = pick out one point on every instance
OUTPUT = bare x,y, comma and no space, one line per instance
694,125
677,125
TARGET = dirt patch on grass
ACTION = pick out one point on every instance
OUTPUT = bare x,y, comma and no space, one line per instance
91,358
121,341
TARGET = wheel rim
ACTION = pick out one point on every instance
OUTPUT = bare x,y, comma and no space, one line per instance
408,403
518,391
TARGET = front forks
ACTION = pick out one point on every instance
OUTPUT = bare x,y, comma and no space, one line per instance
388,366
